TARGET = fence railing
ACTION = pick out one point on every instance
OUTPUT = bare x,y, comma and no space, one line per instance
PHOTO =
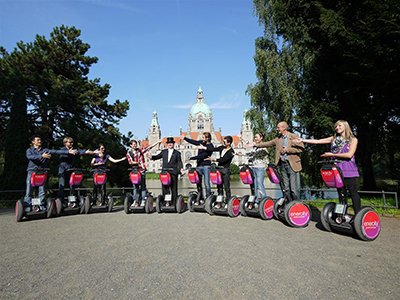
387,199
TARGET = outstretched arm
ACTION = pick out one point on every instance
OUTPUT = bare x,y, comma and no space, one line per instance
326,140
347,155
113,160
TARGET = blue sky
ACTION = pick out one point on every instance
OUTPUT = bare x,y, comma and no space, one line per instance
155,53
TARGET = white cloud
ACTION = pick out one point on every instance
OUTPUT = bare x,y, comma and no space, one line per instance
183,106
114,4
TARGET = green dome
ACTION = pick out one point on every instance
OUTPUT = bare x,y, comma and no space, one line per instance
200,107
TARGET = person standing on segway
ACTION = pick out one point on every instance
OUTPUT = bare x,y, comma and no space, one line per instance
203,165
287,158
67,162
226,154
343,147
171,159
135,157
38,158
99,165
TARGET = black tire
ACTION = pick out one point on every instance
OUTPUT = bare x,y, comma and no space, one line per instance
243,203
50,209
266,208
192,197
88,200
148,208
127,203
81,204
19,210
364,216
110,201
326,215
234,207
209,204
278,209
57,207
180,204
159,201
306,218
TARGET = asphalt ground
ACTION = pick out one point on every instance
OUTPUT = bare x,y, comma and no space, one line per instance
191,256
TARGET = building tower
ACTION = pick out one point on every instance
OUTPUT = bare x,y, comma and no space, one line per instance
154,131
200,116
246,133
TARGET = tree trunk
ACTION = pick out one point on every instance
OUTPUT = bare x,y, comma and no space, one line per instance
365,147
16,143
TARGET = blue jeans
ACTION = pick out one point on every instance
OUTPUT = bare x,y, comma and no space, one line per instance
140,188
259,189
291,181
204,172
29,190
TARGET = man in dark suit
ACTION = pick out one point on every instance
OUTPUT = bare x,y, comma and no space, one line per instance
171,158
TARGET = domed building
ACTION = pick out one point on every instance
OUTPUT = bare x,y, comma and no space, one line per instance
200,119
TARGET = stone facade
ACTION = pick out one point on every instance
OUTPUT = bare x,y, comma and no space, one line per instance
200,119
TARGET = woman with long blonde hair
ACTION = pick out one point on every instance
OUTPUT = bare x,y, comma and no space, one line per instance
343,147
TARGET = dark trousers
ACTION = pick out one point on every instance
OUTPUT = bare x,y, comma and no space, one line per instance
351,185
291,180
62,178
226,183
173,187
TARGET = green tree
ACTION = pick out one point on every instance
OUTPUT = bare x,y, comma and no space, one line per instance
51,76
349,59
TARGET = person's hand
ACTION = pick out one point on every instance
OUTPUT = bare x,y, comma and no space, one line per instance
46,155
202,147
248,144
327,154
182,171
208,158
148,154
73,151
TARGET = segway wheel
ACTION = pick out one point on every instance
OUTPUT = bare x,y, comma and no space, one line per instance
81,204
50,209
159,201
180,204
243,203
209,204
234,207
110,202
326,215
88,199
266,208
148,208
191,199
278,209
127,203
19,210
367,224
297,214
57,206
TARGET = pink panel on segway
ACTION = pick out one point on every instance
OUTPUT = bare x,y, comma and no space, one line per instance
272,175
246,177
136,177
332,177
38,179
100,179
215,177
165,178
75,179
193,177
371,225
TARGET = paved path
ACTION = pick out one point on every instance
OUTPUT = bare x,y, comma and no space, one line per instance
191,256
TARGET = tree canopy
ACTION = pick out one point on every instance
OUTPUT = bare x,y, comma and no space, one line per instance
320,61
46,89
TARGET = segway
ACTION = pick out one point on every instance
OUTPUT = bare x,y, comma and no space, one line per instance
195,202
295,213
165,202
99,196
249,205
76,201
37,207
133,202
218,204
365,224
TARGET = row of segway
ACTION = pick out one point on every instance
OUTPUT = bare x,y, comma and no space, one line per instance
334,216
